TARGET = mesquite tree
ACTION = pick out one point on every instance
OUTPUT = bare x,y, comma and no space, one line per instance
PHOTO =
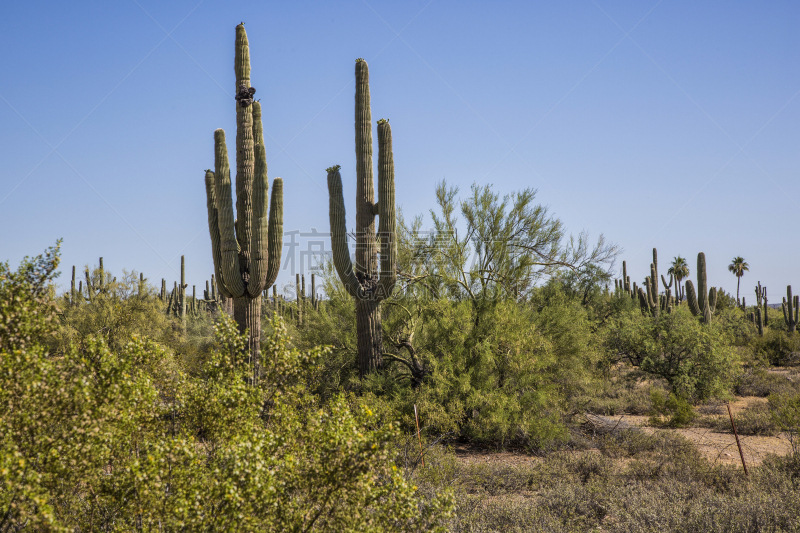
366,283
246,249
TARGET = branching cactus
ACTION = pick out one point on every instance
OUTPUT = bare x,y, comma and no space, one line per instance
650,300
246,249
761,300
364,281
791,309
702,302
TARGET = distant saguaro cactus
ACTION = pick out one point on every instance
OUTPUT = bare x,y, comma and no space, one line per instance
761,301
366,283
702,302
791,309
246,249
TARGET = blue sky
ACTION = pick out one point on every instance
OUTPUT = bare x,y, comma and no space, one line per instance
670,124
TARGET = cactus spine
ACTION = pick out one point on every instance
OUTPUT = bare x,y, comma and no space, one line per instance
247,249
365,282
791,309
702,302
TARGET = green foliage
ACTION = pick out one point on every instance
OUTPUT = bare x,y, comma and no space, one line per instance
99,439
697,361
725,301
786,414
777,347
679,411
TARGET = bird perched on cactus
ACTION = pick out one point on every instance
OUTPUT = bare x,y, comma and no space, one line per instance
368,284
246,247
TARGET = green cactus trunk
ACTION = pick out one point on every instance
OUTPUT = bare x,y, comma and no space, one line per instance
246,248
703,302
364,281
182,291
72,296
759,322
791,310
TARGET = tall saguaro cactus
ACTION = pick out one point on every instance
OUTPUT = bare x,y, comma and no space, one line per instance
246,248
702,302
791,309
366,282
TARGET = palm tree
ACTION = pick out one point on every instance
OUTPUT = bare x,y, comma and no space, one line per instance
680,271
738,267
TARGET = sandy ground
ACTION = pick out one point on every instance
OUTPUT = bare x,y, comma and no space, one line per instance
718,447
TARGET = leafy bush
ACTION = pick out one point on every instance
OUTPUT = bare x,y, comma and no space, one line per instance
91,441
777,347
679,412
759,382
696,359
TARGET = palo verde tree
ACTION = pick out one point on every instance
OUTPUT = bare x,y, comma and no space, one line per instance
509,244
246,248
365,282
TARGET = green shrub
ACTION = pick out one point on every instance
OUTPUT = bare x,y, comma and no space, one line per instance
778,347
679,411
697,360
91,441
760,382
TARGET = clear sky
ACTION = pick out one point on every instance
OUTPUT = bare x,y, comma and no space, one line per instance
673,124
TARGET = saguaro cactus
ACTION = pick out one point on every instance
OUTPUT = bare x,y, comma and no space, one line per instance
761,300
702,302
246,249
649,301
366,283
791,309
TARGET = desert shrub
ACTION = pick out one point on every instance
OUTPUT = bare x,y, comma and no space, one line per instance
676,409
90,443
116,314
777,347
786,415
759,382
755,419
695,359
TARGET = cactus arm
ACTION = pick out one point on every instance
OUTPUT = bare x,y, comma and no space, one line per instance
691,298
229,278
712,300
275,238
366,249
386,217
341,252
213,222
259,248
664,281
